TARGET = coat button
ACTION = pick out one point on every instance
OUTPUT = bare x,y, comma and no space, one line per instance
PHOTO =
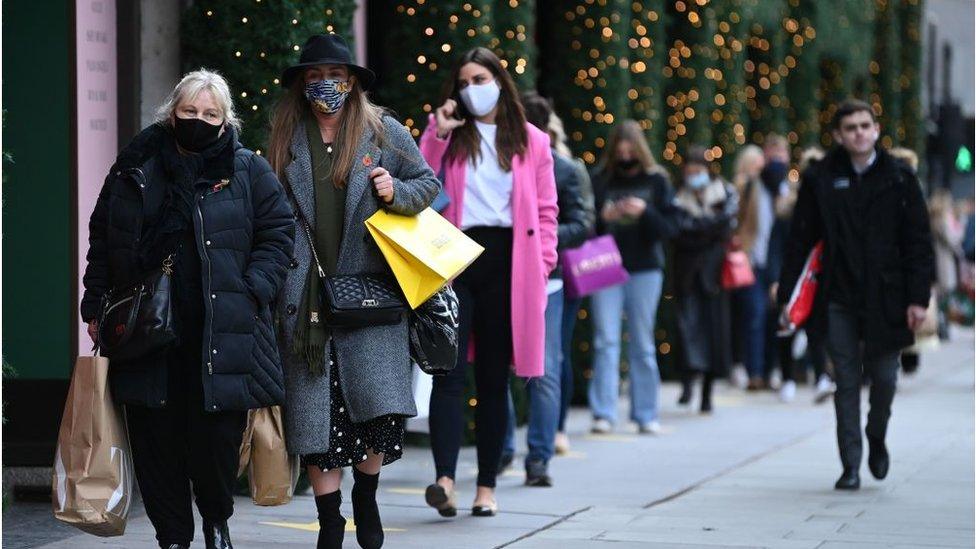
531,232
290,309
208,243
215,351
293,264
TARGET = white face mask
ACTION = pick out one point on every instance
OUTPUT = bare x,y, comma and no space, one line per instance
480,99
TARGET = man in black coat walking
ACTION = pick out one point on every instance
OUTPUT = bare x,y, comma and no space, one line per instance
878,267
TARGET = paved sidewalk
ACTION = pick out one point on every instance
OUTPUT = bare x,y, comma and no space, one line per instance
758,473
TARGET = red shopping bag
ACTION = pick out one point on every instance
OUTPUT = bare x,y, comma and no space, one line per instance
800,305
736,271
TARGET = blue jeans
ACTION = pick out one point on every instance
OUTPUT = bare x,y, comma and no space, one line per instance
639,297
571,308
753,304
543,392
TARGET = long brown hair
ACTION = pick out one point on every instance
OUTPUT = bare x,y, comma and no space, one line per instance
630,131
512,138
357,114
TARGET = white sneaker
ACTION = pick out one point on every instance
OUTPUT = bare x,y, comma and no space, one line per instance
788,391
739,377
650,428
562,444
825,389
601,427
776,379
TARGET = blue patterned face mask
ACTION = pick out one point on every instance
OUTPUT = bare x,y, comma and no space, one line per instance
327,96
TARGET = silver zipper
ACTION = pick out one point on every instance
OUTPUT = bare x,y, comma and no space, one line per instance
203,246
120,302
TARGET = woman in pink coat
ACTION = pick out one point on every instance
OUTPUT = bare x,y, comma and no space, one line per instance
497,171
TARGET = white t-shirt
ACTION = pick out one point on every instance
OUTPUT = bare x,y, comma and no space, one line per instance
488,189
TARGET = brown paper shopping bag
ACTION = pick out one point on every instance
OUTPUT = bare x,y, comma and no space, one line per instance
92,478
272,472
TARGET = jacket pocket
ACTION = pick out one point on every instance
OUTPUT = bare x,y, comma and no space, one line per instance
893,297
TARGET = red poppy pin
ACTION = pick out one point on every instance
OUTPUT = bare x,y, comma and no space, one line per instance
367,160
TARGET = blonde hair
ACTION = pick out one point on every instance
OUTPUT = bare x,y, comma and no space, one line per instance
190,87
357,114
809,156
906,155
774,139
557,133
749,152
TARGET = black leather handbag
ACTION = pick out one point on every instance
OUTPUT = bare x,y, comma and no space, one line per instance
434,333
354,300
138,321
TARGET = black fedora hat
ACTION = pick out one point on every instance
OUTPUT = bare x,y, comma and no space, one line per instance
326,49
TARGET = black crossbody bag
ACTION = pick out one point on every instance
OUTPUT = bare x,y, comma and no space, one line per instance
355,300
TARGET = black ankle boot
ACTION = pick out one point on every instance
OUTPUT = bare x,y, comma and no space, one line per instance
216,535
332,525
173,546
369,530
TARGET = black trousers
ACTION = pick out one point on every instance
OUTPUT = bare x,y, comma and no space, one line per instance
181,444
484,293
844,344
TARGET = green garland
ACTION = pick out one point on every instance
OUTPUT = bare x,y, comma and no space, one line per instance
251,42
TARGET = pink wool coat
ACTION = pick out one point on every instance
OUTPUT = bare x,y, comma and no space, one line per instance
534,222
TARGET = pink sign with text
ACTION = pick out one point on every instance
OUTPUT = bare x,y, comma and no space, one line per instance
97,118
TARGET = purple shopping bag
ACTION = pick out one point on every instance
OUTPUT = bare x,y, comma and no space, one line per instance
592,267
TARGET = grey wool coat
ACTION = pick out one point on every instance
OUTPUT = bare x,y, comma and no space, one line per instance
374,362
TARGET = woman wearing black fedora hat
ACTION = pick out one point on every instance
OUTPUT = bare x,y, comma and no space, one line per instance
341,158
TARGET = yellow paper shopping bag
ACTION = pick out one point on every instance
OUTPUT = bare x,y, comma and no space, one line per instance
425,251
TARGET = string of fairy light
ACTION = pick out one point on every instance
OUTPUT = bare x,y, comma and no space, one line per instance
445,30
717,74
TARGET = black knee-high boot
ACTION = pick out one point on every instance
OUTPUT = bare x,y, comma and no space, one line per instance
332,525
369,530
706,399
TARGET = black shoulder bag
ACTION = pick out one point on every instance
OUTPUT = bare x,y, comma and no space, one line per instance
355,300
138,321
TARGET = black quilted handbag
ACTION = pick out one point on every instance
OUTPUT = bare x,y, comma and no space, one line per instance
357,301
138,321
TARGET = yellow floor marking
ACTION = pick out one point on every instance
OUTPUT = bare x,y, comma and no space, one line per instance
407,491
611,438
314,526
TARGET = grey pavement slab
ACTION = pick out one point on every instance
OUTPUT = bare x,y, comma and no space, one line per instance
756,473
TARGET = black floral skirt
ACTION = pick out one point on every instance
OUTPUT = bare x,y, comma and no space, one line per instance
348,441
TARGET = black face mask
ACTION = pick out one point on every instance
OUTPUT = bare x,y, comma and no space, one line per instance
627,165
194,134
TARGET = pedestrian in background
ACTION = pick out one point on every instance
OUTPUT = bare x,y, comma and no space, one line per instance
571,306
498,174
707,210
634,198
779,361
878,269
544,393
187,193
349,389
754,226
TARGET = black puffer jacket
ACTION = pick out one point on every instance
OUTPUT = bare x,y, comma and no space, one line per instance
245,236
895,249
